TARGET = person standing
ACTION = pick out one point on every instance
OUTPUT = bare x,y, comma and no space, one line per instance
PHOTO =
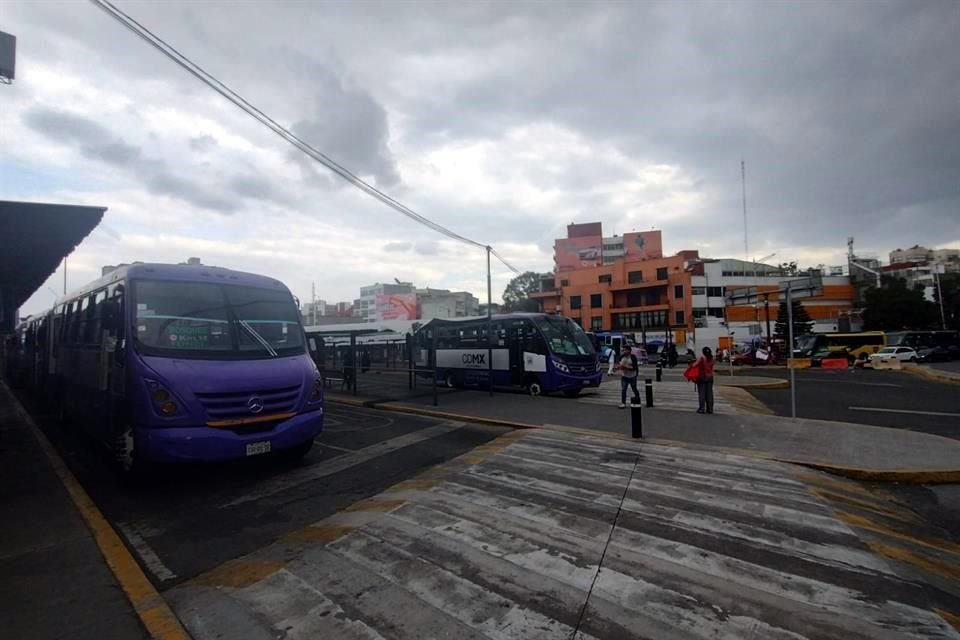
628,375
705,381
612,360
672,355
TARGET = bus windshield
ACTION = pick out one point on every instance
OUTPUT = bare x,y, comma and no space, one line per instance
214,321
806,346
564,337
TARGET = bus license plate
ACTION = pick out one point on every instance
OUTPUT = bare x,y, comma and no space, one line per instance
256,448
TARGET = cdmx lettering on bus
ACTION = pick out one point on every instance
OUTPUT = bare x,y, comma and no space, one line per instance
474,359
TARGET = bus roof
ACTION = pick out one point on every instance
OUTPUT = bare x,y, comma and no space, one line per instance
178,272
495,317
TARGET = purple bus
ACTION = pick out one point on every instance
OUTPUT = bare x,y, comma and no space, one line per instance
178,363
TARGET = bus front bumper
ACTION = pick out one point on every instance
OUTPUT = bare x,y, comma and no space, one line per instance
568,382
210,444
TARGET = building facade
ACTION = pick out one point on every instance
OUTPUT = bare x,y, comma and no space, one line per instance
372,305
442,303
627,284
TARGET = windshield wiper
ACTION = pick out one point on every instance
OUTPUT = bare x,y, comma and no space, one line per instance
258,337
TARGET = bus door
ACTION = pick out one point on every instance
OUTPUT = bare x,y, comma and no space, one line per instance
515,342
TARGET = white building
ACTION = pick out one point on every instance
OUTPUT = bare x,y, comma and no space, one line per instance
365,307
442,303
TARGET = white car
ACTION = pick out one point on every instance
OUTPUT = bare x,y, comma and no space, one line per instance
903,354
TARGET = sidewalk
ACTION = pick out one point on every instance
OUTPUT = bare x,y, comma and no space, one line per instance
859,451
54,581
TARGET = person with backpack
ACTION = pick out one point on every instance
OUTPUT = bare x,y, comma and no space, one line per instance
628,375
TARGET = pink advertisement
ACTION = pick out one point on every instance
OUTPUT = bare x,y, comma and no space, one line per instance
397,306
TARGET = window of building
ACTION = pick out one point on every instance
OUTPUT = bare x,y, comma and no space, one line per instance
596,300
662,273
698,291
639,320
575,302
596,323
564,283
634,298
678,291
635,277
715,292
606,278
715,313
699,313
679,317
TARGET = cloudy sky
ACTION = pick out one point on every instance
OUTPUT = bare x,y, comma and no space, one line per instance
503,121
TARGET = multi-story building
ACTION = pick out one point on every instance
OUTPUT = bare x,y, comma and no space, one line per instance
627,284
443,303
366,306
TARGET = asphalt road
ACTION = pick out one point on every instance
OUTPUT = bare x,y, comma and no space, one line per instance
190,519
880,398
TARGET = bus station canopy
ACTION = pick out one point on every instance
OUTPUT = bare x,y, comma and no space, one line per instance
34,239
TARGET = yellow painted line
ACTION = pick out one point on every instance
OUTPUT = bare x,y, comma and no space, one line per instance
238,573
952,618
318,534
932,565
833,497
940,544
417,484
154,613
377,505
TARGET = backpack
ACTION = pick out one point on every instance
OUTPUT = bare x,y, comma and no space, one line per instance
694,372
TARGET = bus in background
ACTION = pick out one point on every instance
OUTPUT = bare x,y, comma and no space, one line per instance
930,345
538,352
177,363
864,343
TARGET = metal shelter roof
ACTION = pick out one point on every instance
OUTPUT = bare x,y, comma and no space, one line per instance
34,238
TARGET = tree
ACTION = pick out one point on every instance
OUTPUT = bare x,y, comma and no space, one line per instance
802,324
789,268
894,307
516,295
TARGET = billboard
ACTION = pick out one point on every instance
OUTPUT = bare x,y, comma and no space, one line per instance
576,253
397,306
643,245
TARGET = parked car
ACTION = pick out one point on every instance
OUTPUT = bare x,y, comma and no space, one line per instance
750,358
839,354
903,354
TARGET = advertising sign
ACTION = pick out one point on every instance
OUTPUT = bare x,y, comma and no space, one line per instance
645,245
575,253
397,306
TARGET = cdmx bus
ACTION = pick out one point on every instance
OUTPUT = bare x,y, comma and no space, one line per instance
855,344
538,352
177,363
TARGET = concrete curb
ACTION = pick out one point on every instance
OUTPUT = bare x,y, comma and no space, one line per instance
932,374
776,383
901,476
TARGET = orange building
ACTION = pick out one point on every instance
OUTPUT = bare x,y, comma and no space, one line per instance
627,284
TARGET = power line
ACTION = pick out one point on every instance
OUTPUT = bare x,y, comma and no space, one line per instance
211,81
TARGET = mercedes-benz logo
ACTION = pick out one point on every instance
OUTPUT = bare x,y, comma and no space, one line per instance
255,404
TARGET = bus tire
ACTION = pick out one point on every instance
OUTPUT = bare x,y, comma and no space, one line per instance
572,393
533,388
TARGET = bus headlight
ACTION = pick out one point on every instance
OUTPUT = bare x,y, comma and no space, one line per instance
161,399
561,366
316,392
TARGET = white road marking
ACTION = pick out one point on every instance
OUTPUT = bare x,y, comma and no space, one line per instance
908,411
863,384
146,553
340,463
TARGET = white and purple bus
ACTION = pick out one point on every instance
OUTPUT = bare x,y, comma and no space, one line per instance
177,363
536,351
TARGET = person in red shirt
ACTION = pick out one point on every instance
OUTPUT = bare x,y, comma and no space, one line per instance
705,381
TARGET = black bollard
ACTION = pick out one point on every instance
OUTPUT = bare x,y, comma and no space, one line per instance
659,372
648,387
636,418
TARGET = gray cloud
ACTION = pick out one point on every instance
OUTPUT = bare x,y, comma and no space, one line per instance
427,248
397,247
91,138
349,125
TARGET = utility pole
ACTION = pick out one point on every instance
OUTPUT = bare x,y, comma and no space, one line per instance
743,180
790,363
489,327
64,275
937,268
